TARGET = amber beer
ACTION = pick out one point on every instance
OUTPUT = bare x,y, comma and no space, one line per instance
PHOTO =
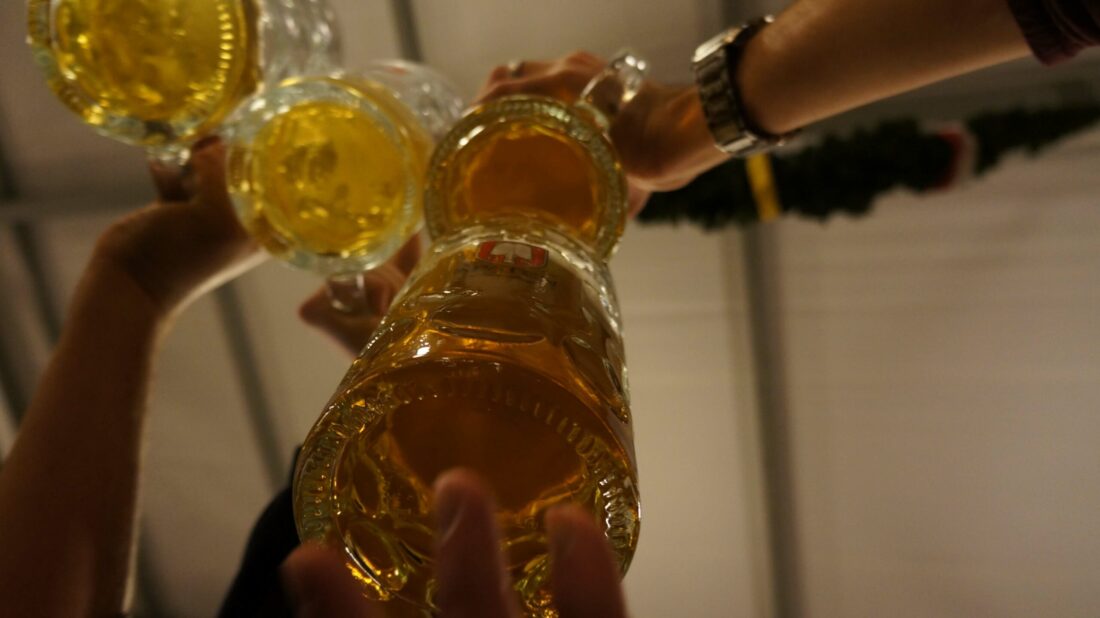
530,158
328,171
163,72
503,355
501,358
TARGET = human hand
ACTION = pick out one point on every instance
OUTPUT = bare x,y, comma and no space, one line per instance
661,135
470,567
186,242
352,329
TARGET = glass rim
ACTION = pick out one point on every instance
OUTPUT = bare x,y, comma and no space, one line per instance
174,136
171,138
241,128
554,114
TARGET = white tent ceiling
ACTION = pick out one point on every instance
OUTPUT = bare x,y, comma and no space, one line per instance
912,497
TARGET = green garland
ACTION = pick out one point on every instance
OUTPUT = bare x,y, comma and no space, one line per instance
845,175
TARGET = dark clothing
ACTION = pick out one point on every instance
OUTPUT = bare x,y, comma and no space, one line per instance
1057,30
257,590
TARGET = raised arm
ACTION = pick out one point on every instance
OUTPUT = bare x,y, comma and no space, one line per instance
819,58
824,57
69,487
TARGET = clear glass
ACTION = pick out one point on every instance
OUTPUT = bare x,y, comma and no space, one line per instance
533,156
502,355
431,97
539,158
327,172
162,73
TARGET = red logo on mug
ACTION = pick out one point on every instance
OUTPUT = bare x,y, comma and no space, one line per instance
512,254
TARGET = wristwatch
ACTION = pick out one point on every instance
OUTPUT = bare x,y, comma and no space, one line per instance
715,64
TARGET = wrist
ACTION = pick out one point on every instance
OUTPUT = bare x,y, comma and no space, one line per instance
759,76
695,150
716,65
172,259
663,138
108,289
821,58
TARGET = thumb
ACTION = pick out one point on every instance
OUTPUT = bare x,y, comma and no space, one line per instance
636,198
364,300
208,163
350,330
169,182
584,574
320,586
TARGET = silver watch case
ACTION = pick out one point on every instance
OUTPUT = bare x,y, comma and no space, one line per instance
732,131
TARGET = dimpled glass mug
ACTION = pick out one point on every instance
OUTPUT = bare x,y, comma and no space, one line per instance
503,355
327,171
163,73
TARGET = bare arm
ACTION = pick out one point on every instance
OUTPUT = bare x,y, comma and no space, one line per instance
819,58
824,57
69,488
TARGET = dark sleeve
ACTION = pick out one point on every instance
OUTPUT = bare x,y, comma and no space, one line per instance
1057,30
257,591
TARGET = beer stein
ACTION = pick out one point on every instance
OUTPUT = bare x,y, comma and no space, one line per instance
327,172
163,73
503,355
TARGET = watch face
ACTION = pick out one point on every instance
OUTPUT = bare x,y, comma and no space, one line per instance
716,44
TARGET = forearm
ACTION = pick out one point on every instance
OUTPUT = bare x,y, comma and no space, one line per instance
824,57
819,58
68,490
1057,30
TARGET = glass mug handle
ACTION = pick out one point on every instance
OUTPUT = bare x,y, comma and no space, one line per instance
347,292
613,87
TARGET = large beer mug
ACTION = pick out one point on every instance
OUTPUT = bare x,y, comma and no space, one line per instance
162,73
503,355
327,172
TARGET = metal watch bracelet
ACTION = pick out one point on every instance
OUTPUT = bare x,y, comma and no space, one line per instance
715,63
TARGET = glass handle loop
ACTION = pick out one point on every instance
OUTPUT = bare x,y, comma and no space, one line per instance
348,292
174,155
613,87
